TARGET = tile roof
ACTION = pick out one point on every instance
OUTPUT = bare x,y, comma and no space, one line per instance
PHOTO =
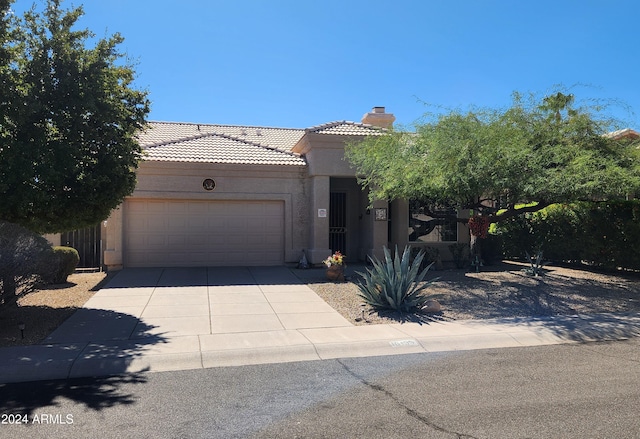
191,142
163,132
624,133
346,128
220,148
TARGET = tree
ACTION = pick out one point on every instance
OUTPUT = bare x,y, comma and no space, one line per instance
25,261
68,151
500,163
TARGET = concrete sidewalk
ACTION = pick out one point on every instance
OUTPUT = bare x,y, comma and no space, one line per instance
190,318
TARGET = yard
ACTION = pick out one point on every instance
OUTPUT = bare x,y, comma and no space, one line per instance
501,290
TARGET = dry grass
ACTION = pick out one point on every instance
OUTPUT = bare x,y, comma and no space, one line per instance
45,309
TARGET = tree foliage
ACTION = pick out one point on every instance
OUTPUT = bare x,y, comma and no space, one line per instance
501,163
68,152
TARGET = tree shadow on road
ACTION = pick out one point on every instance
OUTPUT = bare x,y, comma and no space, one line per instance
98,343
583,327
95,393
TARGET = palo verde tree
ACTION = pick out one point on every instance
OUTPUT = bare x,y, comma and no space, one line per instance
500,163
68,152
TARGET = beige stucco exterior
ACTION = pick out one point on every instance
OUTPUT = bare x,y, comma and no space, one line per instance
303,190
184,181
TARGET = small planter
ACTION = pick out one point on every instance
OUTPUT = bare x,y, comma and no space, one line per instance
335,273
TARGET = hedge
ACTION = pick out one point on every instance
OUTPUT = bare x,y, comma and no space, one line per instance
603,234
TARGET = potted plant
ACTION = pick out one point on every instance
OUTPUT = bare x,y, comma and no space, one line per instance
335,266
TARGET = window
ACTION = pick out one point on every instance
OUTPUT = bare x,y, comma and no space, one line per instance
424,228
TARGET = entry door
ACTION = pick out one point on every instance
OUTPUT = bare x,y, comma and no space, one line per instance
338,222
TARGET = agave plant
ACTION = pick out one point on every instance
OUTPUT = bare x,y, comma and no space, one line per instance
536,268
395,283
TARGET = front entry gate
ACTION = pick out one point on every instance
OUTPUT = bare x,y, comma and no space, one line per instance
338,221
87,243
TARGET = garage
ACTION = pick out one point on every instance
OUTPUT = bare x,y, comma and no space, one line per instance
191,233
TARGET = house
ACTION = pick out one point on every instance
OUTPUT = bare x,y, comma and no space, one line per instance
220,195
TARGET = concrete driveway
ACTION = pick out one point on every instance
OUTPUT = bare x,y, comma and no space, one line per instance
176,302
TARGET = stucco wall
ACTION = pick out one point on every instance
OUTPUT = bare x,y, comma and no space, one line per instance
184,181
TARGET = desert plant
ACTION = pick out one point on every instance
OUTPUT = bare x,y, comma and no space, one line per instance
460,252
66,260
536,264
25,262
395,283
431,255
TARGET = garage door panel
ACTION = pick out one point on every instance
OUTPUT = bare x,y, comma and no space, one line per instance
199,222
271,240
155,222
200,233
155,207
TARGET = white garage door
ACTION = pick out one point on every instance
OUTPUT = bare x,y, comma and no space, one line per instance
174,233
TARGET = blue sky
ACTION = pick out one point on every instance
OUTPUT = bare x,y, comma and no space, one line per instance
299,63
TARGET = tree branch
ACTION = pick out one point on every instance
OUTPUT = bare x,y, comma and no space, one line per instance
513,211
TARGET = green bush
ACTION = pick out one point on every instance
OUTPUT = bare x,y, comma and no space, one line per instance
395,283
515,236
431,255
603,234
557,232
24,262
611,233
66,260
460,253
491,249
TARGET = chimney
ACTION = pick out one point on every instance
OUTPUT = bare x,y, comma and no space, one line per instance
379,118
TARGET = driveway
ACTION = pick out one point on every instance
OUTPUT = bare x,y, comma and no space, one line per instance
176,302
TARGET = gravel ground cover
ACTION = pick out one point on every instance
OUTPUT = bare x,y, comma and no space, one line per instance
500,290
44,310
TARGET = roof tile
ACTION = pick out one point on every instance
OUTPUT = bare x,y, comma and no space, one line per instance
191,142
162,132
218,148
346,128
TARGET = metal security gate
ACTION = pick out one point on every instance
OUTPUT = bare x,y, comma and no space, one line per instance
338,221
87,243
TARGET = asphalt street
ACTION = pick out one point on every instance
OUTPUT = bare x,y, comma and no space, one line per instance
585,390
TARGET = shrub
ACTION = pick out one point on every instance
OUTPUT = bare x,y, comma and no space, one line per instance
610,233
491,249
431,255
460,254
603,234
24,261
515,235
65,262
557,231
395,283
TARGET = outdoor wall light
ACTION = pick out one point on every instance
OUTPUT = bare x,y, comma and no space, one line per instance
21,326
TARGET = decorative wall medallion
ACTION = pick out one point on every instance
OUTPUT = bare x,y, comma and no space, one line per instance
208,184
